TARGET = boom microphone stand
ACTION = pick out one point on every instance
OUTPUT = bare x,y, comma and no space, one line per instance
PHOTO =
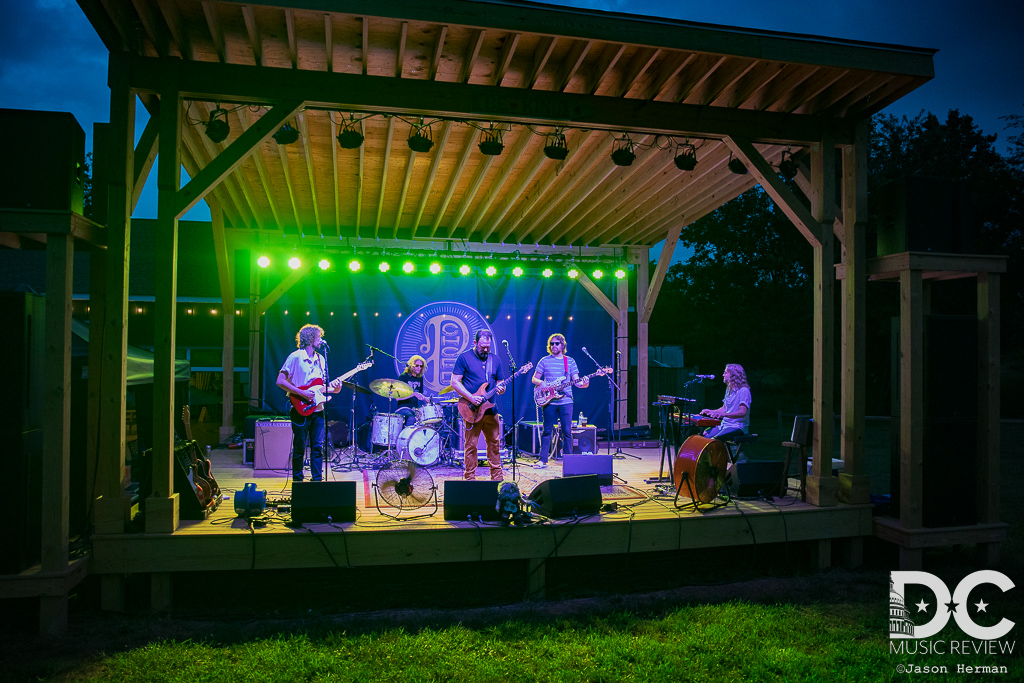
515,428
612,388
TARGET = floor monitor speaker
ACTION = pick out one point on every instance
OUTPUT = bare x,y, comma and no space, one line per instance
470,500
320,502
601,465
760,478
568,496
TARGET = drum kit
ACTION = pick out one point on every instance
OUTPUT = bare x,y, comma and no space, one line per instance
425,438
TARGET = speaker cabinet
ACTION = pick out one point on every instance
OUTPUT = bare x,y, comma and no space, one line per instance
44,161
273,445
584,439
470,500
759,478
601,465
568,496
320,502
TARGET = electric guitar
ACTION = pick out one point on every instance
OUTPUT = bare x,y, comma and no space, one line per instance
470,413
304,406
544,394
202,468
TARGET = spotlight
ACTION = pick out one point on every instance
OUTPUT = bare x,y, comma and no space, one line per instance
623,154
491,145
349,137
620,273
384,266
217,127
326,265
408,267
355,266
517,271
294,263
420,140
736,166
686,160
491,271
464,269
286,135
547,272
573,273
263,261
435,268
787,167
598,273
556,147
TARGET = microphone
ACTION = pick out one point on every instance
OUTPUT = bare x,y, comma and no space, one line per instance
327,347
705,376
585,350
505,342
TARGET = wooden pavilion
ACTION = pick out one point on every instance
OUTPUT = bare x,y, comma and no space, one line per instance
706,112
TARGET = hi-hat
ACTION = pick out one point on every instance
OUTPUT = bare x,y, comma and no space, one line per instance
446,389
352,386
391,388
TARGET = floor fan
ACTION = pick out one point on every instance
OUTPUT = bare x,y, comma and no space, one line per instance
700,469
405,486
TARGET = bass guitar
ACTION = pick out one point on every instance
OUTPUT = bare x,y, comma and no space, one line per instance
470,413
546,393
202,468
304,406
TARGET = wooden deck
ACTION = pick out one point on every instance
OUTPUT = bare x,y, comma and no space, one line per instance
644,521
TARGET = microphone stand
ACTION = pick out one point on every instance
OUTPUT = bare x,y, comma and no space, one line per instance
515,428
612,388
353,446
327,450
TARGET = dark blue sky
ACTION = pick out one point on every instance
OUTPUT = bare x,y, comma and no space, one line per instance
50,57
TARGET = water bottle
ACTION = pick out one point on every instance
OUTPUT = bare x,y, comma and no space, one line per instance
582,422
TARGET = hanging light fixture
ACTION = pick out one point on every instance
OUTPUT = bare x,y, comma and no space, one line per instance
556,147
736,166
286,135
686,159
349,137
623,154
420,140
491,144
787,167
217,128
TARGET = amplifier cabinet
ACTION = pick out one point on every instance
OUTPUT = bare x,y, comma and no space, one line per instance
273,445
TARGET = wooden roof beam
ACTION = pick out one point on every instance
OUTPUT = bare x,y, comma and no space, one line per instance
335,179
470,192
604,67
216,30
403,36
508,165
189,161
472,52
669,70
307,153
577,53
409,165
783,197
642,60
435,57
293,47
264,174
145,155
508,50
453,180
540,60
282,155
253,30
385,162
425,194
154,26
664,261
599,296
175,24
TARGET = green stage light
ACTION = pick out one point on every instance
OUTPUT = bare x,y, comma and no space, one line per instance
324,264
464,269
517,271
547,272
294,263
384,266
355,266
620,273
263,261
435,268
598,273
408,267
491,271
573,273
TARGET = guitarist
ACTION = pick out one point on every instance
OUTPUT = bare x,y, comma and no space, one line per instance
552,368
473,369
300,369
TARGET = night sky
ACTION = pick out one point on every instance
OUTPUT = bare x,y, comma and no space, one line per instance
51,58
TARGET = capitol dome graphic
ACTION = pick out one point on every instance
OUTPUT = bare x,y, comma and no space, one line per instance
900,625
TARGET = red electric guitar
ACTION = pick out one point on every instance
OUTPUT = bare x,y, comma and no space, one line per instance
304,406
544,394
470,413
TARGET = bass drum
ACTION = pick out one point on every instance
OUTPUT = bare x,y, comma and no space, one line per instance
700,467
420,444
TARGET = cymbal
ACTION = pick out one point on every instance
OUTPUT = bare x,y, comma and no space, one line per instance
391,388
352,386
446,389
446,400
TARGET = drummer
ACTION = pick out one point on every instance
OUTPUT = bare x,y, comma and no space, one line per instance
413,376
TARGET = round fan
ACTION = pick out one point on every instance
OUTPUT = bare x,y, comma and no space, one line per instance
405,485
700,468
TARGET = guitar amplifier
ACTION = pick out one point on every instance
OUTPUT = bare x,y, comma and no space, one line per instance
481,445
273,445
584,439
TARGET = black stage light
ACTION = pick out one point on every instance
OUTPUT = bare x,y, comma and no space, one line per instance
787,167
556,147
686,160
737,167
491,145
623,154
420,141
349,138
286,135
217,127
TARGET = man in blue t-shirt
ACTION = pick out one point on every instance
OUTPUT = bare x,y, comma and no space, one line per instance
553,369
472,370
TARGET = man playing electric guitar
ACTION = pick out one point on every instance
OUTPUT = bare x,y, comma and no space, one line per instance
475,370
553,370
303,376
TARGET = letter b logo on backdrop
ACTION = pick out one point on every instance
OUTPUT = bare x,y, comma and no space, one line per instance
900,625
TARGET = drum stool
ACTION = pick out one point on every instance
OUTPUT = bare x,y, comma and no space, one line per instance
735,445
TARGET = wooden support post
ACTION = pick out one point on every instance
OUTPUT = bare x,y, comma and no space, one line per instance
56,469
226,273
97,317
822,553
643,278
854,483
535,567
911,410
255,319
822,487
988,409
622,357
160,591
853,552
161,508
112,592
112,506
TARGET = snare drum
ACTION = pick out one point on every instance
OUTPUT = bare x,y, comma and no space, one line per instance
386,428
429,414
420,444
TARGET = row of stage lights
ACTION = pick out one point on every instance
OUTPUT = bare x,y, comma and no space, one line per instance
572,271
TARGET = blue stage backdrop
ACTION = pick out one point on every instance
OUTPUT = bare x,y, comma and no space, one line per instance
436,317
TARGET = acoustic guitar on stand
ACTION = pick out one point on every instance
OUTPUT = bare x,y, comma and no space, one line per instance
470,413
546,393
304,406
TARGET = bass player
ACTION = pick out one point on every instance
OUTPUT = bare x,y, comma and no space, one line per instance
473,369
